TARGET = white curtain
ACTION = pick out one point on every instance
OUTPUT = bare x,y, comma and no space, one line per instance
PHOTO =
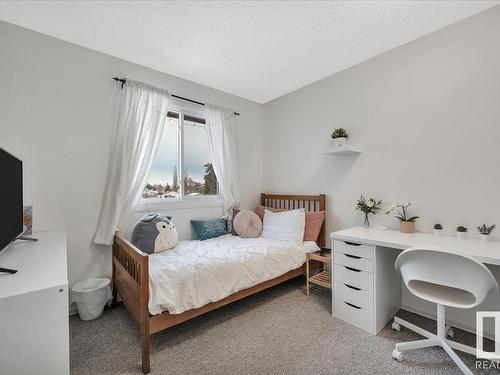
221,131
143,111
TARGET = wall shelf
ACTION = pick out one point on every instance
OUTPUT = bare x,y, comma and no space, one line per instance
342,150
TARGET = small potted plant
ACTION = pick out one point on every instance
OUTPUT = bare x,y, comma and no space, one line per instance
485,231
370,206
462,232
438,229
406,222
339,137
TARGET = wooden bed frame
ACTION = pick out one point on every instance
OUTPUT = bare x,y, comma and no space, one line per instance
131,276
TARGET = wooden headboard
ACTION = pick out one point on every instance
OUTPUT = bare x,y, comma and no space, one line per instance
292,202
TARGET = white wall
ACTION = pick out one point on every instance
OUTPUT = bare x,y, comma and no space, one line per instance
426,117
57,102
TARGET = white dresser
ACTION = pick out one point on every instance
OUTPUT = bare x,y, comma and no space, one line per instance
366,288
34,325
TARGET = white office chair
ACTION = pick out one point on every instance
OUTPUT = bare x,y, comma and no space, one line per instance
447,279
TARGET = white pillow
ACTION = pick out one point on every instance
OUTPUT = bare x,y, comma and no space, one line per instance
284,226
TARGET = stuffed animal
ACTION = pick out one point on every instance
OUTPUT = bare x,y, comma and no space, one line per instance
167,236
154,233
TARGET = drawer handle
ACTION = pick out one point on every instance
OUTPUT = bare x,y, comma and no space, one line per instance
352,269
352,287
352,256
352,243
350,304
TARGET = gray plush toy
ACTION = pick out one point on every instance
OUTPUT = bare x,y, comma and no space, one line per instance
154,233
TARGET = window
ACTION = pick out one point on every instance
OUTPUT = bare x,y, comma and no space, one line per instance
182,168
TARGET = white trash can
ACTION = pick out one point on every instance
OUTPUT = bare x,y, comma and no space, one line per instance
91,296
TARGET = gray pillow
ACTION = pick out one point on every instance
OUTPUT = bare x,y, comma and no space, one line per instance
154,233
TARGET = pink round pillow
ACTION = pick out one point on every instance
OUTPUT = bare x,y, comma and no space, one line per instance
247,224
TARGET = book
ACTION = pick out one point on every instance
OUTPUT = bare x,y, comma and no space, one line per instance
27,220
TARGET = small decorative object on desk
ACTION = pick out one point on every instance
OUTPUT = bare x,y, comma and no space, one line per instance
462,232
339,137
438,229
407,222
27,220
370,206
485,231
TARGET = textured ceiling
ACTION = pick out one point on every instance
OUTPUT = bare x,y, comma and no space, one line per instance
257,50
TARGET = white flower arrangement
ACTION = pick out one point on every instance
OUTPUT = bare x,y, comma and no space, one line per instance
369,206
403,213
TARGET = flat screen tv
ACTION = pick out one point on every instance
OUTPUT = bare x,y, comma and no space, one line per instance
11,198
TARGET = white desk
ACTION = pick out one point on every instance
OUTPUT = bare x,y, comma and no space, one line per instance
366,286
485,252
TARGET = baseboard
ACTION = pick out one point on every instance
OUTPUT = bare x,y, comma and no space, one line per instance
458,325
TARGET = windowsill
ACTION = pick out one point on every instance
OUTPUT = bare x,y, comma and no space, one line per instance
161,204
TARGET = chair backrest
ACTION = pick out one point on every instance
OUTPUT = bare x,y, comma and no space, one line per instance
445,278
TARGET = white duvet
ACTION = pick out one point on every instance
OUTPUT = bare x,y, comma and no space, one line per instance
195,273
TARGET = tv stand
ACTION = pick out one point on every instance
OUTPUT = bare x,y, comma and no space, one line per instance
11,271
7,270
24,238
34,303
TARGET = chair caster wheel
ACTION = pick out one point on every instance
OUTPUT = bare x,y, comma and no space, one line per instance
396,326
450,333
397,355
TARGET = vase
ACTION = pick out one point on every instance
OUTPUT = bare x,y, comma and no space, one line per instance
407,227
462,235
438,232
367,221
485,237
339,142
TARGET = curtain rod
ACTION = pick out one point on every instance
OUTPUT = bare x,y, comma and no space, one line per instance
124,81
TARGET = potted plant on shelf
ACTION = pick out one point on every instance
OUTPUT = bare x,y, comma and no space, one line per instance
339,137
485,231
370,206
462,232
438,229
406,222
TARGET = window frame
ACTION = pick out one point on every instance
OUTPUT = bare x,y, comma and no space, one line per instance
182,201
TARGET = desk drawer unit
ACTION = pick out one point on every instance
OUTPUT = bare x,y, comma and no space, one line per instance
352,276
353,248
354,261
353,283
366,286
356,296
353,314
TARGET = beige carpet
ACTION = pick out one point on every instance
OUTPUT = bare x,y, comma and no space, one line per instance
278,331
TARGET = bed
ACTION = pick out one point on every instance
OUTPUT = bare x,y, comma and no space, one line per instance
142,281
